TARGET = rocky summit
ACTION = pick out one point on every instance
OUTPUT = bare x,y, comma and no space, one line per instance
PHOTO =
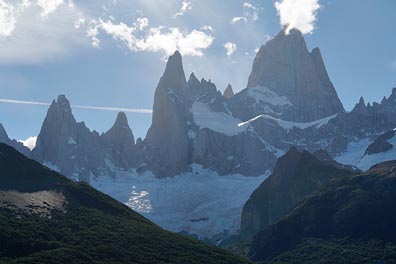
228,92
285,69
13,143
72,149
289,101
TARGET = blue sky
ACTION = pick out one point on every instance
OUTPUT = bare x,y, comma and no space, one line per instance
111,53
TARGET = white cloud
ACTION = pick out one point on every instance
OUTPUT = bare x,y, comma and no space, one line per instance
247,5
7,19
35,30
230,48
142,22
238,19
207,28
186,5
30,142
161,39
48,6
79,22
299,14
250,13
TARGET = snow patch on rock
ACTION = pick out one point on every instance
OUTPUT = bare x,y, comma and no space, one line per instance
219,122
71,141
265,95
355,154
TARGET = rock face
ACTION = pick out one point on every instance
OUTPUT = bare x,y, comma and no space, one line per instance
292,80
228,92
295,176
167,142
353,208
193,124
119,143
13,143
75,151
381,144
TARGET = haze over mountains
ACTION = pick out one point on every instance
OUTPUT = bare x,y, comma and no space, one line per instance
289,101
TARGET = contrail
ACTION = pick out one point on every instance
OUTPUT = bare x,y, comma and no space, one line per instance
116,109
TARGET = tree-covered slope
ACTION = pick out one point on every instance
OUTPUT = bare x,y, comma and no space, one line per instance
339,222
45,218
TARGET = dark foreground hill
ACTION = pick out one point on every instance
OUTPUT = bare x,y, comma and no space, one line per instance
296,175
46,218
351,220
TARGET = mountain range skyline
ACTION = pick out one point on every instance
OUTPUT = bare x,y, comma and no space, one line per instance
125,68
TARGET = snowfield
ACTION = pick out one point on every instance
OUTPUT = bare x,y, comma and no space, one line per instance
219,122
355,154
200,202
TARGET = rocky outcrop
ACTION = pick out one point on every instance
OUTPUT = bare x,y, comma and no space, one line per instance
381,144
119,144
67,145
13,143
353,209
293,81
228,92
295,176
167,145
72,149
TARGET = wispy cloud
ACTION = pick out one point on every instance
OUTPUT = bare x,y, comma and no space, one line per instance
33,31
103,108
250,13
299,14
140,37
186,5
230,48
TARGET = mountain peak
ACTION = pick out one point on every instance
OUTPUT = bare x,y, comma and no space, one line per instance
63,102
286,67
228,92
193,79
121,119
296,175
3,134
174,76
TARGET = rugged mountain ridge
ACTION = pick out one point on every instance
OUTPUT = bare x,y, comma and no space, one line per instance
349,219
290,101
295,176
71,148
13,143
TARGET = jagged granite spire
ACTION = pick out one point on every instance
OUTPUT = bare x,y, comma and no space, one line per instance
3,134
13,143
286,67
69,146
228,92
167,141
174,76
120,142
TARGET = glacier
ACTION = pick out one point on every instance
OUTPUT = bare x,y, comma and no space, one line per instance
201,203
